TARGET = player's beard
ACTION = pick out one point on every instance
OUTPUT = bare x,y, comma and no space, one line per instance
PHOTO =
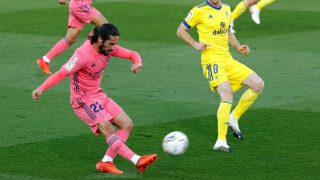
103,50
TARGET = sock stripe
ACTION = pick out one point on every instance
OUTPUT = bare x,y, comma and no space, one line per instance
112,140
226,101
256,92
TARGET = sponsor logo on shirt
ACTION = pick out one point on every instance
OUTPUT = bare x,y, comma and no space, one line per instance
95,75
70,65
222,29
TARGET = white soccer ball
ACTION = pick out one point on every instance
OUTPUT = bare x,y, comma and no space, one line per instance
175,143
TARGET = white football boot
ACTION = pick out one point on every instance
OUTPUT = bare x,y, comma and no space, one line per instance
221,145
234,126
255,14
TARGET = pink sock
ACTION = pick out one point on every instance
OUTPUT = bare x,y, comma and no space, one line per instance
119,147
123,136
58,48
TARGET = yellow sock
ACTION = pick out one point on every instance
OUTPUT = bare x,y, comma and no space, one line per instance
223,119
263,3
240,9
246,100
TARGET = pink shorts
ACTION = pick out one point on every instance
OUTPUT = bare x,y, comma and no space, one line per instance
81,12
95,109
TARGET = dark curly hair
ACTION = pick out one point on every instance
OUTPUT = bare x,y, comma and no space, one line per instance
104,31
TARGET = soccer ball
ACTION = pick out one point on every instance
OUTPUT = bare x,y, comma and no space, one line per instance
175,143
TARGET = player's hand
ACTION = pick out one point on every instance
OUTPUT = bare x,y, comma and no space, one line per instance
244,49
200,46
36,94
63,2
136,67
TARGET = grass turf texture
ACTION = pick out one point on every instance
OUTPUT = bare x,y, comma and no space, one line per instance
46,140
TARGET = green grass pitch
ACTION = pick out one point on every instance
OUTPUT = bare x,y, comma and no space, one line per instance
45,140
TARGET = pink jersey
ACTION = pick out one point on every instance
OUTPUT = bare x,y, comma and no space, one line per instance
86,68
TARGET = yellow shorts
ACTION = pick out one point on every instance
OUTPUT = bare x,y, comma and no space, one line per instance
232,71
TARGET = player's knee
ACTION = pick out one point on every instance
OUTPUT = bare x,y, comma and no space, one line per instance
106,128
259,85
227,95
128,126
225,92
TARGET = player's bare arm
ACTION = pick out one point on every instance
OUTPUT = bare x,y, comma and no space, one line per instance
242,49
183,33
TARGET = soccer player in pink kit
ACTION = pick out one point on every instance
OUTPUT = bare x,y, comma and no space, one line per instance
80,13
91,104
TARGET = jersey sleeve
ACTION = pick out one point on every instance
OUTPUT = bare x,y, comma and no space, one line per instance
121,52
192,18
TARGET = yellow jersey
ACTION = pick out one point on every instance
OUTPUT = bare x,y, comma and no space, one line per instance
213,26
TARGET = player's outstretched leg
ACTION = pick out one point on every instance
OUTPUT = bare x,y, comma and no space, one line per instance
108,167
145,161
234,127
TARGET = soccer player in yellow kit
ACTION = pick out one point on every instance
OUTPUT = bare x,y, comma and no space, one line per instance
224,74
255,9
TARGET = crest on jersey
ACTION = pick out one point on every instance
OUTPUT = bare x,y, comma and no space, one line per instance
222,25
210,16
189,16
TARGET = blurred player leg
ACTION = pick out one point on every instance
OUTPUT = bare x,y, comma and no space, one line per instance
255,10
99,20
238,11
59,47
